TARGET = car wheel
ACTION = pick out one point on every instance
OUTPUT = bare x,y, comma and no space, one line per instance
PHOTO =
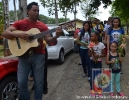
61,57
9,89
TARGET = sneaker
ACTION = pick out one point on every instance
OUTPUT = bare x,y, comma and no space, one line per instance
120,94
32,87
112,94
92,93
83,76
79,63
88,79
45,91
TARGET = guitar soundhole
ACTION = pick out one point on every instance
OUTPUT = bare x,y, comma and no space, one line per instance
31,38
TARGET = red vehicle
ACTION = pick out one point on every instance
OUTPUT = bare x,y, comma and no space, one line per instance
8,78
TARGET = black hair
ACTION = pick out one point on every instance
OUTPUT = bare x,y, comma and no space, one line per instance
114,42
118,20
96,33
102,23
29,6
83,30
95,18
110,18
91,26
105,22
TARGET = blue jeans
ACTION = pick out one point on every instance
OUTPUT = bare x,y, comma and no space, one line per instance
115,79
36,61
94,65
85,59
31,73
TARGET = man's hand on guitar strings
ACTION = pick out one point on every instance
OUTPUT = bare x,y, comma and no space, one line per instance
58,32
23,36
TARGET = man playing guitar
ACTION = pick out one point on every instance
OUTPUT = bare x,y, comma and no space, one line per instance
34,57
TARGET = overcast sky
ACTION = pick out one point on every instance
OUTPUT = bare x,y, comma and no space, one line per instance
102,16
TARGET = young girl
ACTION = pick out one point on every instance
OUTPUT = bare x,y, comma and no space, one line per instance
96,53
114,60
114,32
84,36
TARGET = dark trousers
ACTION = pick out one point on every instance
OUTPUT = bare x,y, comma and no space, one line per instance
45,86
100,38
94,65
45,70
85,59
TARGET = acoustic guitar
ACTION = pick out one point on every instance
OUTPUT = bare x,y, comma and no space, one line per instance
18,46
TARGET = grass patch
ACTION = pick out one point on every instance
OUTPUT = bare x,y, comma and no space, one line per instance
1,50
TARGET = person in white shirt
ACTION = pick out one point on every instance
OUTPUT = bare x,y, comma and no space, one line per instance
96,53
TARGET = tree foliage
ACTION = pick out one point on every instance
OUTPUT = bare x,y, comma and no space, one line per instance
86,12
45,19
93,4
49,20
69,4
120,8
12,14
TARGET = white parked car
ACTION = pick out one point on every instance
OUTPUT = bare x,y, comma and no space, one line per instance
63,45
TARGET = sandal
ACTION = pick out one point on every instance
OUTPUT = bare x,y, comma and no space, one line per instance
92,93
112,94
120,94
99,94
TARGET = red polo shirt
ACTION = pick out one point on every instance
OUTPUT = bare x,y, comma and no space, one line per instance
25,25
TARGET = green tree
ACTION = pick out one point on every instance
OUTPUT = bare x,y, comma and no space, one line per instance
52,6
93,4
63,20
12,14
70,6
120,8
49,20
86,12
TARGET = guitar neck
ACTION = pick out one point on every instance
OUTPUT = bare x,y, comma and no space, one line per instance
42,34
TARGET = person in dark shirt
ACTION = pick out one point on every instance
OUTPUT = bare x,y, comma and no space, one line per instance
114,60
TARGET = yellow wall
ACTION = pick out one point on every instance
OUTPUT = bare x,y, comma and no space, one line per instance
70,26
78,25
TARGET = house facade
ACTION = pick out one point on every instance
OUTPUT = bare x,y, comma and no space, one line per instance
72,25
